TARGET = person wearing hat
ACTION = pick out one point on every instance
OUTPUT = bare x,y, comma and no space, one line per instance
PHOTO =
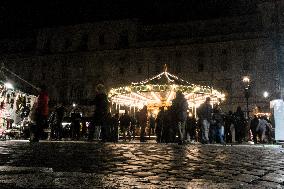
204,113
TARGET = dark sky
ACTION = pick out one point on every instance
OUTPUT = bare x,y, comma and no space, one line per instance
23,16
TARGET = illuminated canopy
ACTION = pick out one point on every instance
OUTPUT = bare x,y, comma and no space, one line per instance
160,90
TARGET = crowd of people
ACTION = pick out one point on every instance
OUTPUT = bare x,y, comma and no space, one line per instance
172,124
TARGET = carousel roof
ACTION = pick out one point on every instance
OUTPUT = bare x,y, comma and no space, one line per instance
160,90
163,78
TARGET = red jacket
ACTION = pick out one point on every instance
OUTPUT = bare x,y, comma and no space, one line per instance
42,104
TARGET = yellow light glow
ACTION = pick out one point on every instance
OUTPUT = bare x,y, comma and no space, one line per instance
246,79
170,96
158,95
155,97
155,112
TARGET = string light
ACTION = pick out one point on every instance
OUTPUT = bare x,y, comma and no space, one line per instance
149,92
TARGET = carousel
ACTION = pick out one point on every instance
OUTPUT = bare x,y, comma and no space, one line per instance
159,91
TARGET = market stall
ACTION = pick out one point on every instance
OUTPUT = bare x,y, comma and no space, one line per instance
159,91
14,110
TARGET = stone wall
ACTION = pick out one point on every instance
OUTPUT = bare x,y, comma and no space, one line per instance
73,59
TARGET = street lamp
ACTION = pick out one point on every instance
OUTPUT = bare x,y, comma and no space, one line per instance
246,82
265,94
9,85
266,97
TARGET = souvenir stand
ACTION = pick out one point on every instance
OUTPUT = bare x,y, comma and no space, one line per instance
14,110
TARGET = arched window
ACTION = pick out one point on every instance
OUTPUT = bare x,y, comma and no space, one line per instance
67,43
84,42
121,71
223,60
123,39
200,67
101,39
246,63
139,70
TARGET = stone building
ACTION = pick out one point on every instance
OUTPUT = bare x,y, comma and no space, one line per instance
71,60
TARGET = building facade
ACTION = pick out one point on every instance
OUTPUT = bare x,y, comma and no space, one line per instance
71,60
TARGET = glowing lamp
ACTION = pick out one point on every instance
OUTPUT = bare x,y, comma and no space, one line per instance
265,94
9,85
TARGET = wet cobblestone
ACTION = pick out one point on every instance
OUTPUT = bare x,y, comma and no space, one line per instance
134,165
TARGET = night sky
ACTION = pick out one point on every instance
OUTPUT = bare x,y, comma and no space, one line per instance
20,17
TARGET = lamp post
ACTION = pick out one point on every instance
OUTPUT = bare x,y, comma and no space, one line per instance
246,82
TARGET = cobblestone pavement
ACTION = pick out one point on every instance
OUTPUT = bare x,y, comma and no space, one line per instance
134,165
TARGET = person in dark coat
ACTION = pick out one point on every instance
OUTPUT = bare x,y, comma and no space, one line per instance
101,109
142,120
160,125
204,113
219,124
191,126
152,123
229,127
115,126
57,127
41,114
75,124
253,126
240,124
106,128
132,129
125,122
180,107
170,126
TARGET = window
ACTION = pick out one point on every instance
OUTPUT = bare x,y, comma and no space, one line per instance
201,54
47,46
102,65
84,42
139,71
178,67
224,64
121,71
67,44
157,69
245,63
200,67
200,60
101,39
178,62
223,60
30,76
123,40
229,87
43,76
